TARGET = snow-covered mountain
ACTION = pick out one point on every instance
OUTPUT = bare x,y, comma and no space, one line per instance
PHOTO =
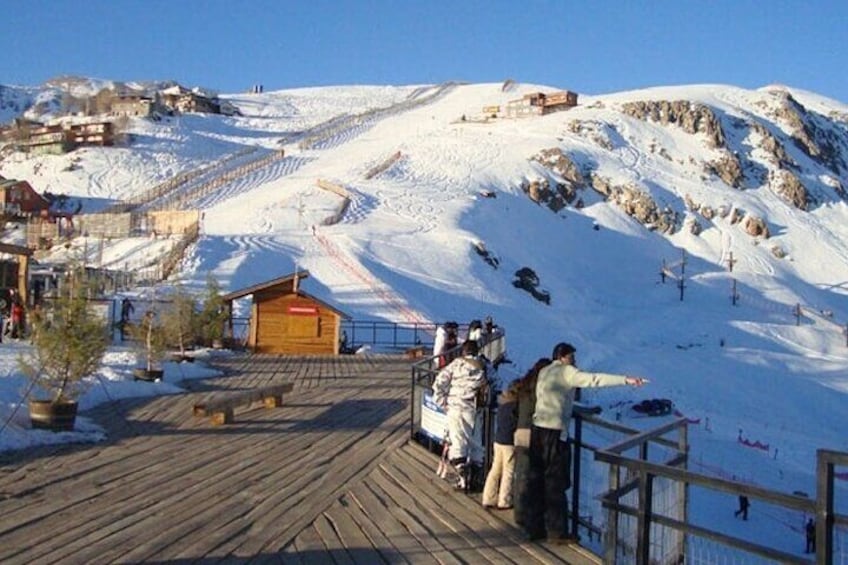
558,226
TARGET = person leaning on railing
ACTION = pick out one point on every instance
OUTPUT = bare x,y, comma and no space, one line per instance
526,387
550,450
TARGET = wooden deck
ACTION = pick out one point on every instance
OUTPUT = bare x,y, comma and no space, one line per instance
328,478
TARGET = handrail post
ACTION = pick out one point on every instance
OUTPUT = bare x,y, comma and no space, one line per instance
643,542
412,404
611,541
575,481
824,509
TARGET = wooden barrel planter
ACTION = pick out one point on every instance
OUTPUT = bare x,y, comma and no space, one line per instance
50,415
149,375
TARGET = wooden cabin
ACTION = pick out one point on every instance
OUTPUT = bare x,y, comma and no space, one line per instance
285,320
19,199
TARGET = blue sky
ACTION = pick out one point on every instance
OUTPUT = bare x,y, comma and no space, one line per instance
590,47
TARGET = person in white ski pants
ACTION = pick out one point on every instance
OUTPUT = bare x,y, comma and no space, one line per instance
456,389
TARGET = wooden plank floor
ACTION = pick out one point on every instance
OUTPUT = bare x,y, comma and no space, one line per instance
328,478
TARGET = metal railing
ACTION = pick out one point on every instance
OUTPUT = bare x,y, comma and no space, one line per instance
392,335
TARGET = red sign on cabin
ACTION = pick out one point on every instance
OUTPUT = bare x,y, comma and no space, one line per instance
302,310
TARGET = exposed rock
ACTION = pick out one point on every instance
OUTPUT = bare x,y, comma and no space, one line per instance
691,117
527,279
638,204
727,168
791,112
790,189
736,216
707,212
562,193
772,146
756,227
695,227
487,256
835,184
601,185
555,160
593,131
655,147
821,144
778,252
540,192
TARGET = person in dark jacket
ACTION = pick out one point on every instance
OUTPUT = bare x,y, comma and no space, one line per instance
810,529
526,401
497,492
743,507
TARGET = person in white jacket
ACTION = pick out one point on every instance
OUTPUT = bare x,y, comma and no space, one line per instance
550,451
457,388
439,345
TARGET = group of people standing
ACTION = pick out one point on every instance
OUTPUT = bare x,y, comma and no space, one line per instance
531,468
447,337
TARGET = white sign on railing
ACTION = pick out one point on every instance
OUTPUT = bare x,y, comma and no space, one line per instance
434,421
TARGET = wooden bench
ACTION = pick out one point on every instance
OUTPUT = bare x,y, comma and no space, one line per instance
220,408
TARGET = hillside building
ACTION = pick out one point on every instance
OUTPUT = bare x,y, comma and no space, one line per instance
56,139
539,103
133,106
19,199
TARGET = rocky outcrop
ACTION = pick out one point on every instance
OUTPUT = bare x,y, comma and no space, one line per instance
558,162
526,279
736,216
832,182
601,185
691,117
728,168
790,189
778,252
556,195
593,131
792,113
756,227
487,255
540,192
637,204
773,147
821,144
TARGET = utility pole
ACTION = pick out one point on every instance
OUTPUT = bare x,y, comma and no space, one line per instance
300,213
797,312
730,262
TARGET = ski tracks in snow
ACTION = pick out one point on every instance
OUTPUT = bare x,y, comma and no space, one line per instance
351,268
251,181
